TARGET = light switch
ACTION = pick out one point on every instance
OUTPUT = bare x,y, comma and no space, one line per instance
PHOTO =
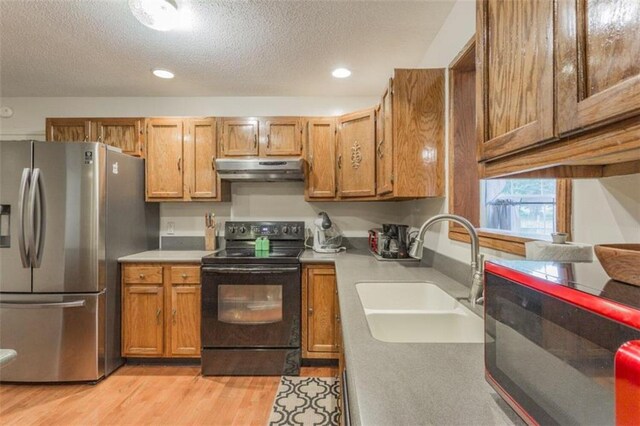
171,228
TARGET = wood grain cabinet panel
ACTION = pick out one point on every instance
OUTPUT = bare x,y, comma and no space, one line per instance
239,138
284,137
384,143
321,319
165,161
124,133
185,320
200,161
321,158
68,129
142,320
598,62
356,155
515,75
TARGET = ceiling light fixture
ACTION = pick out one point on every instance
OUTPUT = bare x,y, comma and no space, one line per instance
162,73
161,15
341,73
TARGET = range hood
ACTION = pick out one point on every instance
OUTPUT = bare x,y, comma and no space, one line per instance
260,169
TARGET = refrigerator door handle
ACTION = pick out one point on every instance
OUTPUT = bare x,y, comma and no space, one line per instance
25,184
36,239
45,305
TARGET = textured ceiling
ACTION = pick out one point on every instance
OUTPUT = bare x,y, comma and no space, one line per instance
230,48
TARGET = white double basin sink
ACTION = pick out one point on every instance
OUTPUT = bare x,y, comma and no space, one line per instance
417,312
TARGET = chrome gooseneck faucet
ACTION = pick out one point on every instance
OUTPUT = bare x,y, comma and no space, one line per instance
477,263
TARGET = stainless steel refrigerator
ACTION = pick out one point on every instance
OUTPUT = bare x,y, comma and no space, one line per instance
67,212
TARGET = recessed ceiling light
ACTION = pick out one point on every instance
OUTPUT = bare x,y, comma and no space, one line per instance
161,15
162,73
341,73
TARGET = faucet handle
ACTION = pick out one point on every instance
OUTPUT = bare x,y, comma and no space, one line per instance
481,263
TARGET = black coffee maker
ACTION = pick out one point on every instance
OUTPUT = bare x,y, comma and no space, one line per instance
396,245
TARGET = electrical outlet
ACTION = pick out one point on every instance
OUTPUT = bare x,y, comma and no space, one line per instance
171,228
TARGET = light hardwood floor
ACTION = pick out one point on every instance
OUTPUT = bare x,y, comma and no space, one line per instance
138,395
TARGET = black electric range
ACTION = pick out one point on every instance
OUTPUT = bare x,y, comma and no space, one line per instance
251,301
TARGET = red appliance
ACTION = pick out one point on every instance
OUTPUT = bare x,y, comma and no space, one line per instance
562,342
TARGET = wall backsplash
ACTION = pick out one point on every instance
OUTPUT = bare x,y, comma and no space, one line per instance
281,201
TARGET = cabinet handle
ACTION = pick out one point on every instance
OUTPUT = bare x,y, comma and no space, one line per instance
213,163
310,311
100,139
340,161
184,276
86,138
268,141
255,140
174,315
141,276
180,163
158,312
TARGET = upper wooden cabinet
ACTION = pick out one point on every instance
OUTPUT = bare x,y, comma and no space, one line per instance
200,150
68,129
124,133
180,162
384,143
515,75
165,158
356,154
598,62
321,158
558,88
284,137
239,138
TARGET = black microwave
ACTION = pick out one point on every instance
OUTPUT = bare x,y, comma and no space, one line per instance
559,351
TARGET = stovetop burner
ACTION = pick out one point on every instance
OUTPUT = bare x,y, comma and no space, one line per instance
286,241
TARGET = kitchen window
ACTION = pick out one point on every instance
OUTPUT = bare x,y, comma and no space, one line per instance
507,212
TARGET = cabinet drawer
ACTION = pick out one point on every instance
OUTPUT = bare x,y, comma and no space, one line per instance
143,274
185,275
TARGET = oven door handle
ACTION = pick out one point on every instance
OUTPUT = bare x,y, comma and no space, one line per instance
239,270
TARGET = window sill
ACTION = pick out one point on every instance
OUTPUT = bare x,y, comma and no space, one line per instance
505,242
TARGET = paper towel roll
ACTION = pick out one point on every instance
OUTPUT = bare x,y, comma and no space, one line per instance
569,252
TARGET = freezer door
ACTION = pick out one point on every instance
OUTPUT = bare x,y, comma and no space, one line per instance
58,338
67,210
15,175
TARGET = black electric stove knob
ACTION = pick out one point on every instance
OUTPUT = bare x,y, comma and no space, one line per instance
243,229
285,229
232,229
295,229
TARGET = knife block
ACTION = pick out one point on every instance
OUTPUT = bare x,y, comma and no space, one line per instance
210,239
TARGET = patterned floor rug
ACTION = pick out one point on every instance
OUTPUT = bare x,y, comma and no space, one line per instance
306,401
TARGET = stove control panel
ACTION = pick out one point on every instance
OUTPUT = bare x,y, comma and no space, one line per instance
235,231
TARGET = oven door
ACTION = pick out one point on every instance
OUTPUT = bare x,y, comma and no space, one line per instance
252,306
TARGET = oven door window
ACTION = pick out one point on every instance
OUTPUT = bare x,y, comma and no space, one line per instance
249,304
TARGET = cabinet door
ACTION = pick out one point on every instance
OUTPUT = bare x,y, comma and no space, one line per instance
124,133
284,137
68,129
239,137
356,155
202,154
598,62
321,158
515,68
321,310
384,144
164,165
142,319
185,320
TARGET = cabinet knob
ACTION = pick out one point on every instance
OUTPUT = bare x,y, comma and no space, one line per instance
141,276
158,312
184,276
174,315
310,311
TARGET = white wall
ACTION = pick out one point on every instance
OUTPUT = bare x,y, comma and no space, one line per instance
604,210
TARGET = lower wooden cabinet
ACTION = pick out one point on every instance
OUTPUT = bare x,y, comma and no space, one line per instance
161,310
321,337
